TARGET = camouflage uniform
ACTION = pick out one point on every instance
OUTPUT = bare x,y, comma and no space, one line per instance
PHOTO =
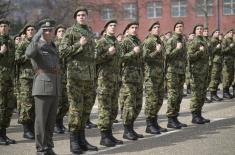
207,39
199,65
25,83
108,77
153,75
228,50
187,71
132,80
80,74
176,63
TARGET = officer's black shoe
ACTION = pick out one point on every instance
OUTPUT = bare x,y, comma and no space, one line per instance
188,89
226,94
90,125
173,123
158,126
115,140
204,119
151,127
74,143
196,119
128,133
85,146
135,133
31,127
215,97
28,134
9,141
3,140
106,140
51,152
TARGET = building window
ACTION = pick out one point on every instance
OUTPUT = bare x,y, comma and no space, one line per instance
229,7
201,7
178,8
107,13
154,9
130,11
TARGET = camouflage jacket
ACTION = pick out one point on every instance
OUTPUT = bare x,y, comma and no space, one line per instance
153,59
216,52
80,59
199,60
7,59
23,63
132,63
108,66
176,58
207,40
228,50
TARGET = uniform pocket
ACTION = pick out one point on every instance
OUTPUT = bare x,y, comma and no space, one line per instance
48,86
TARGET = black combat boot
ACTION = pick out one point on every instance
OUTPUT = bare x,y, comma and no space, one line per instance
151,127
31,128
173,123
215,97
188,89
158,126
59,127
106,140
135,133
9,141
203,119
85,146
74,143
128,133
28,134
196,119
226,94
3,140
234,91
115,140
90,125
180,123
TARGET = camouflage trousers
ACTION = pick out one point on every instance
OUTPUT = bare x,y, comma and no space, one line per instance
132,98
175,85
25,101
209,76
81,100
228,72
7,103
234,76
154,89
108,105
215,76
199,89
63,105
187,76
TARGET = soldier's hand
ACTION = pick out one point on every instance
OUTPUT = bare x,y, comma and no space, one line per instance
3,49
231,45
218,46
158,47
83,40
136,49
179,45
112,50
201,48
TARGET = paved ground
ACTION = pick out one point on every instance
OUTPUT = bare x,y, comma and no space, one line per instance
216,138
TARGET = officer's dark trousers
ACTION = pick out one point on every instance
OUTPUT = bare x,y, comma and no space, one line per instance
45,117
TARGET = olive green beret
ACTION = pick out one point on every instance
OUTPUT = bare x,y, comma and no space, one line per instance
155,23
130,24
178,22
230,30
109,22
4,21
58,27
198,25
26,26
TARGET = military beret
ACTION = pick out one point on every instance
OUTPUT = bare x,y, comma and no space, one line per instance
17,35
4,21
81,8
230,31
155,23
109,22
130,24
178,22
47,23
27,26
214,31
198,25
58,27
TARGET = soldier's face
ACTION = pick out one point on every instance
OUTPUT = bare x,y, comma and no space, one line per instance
60,32
48,34
81,17
199,31
179,28
17,40
230,34
205,32
216,34
30,31
133,30
111,28
4,29
155,30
